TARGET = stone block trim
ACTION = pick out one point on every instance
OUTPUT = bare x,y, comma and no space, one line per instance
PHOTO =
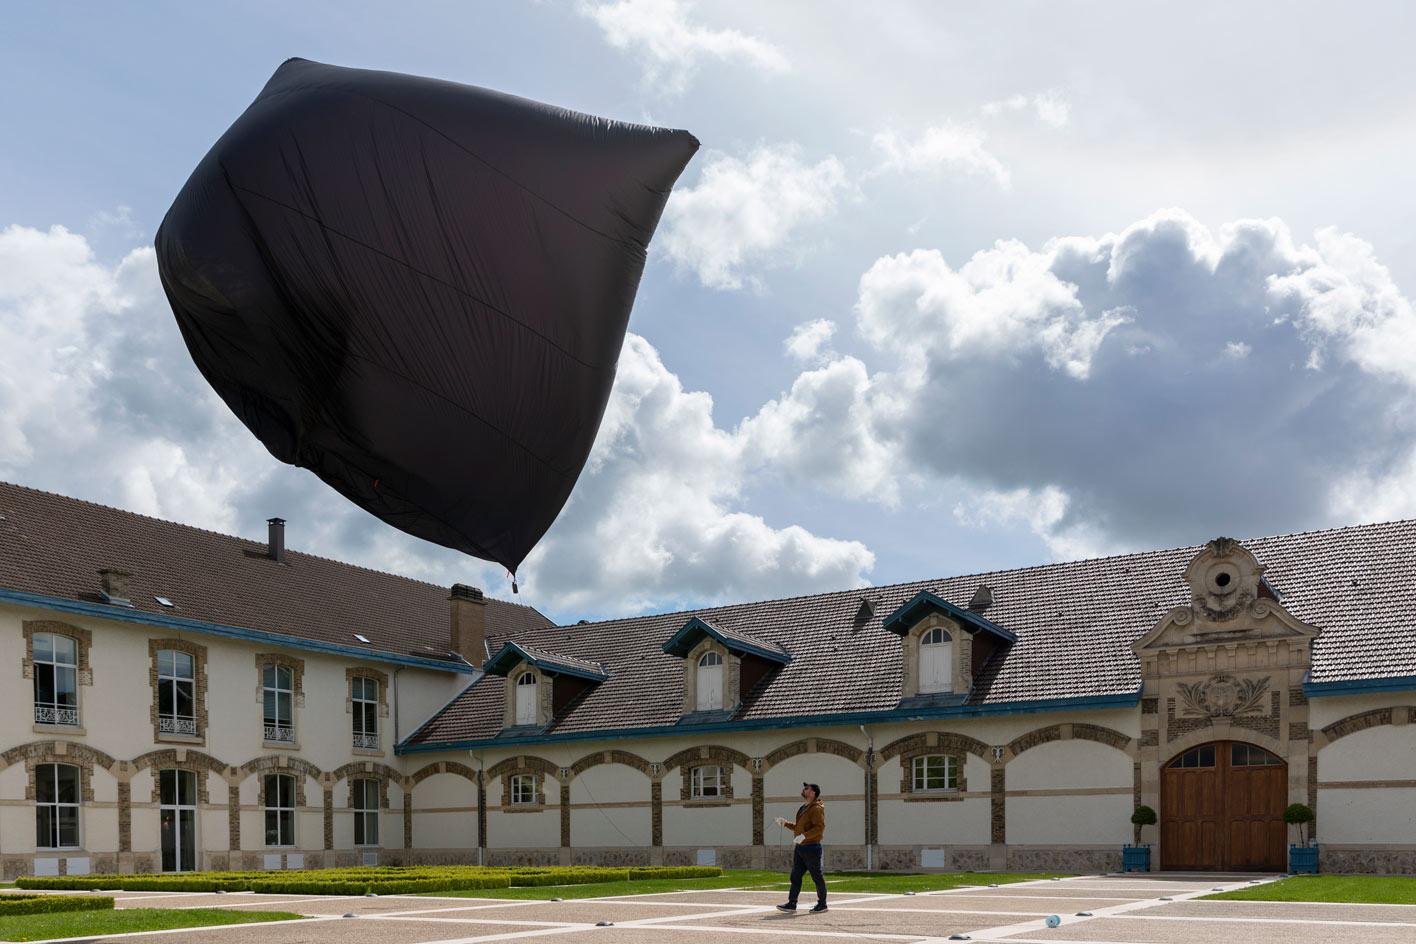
656,813
441,767
998,808
611,757
329,818
1298,731
125,816
907,773
1078,731
199,682
233,817
1150,706
538,767
1102,735
817,745
946,742
82,638
481,809
59,752
179,759
297,674
1362,721
759,810
710,755
564,817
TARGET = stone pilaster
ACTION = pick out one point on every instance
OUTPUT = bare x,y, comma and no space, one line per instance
329,818
125,815
233,817
759,809
481,810
656,812
408,819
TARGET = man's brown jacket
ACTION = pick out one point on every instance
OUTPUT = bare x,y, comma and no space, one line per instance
810,822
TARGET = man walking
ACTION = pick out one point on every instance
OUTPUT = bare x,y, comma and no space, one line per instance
808,829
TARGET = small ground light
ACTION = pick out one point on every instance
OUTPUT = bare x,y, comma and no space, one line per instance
350,914
1053,921
1084,914
604,924
1166,898
909,893
960,937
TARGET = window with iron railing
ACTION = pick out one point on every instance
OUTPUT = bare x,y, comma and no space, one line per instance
364,692
176,693
56,679
278,685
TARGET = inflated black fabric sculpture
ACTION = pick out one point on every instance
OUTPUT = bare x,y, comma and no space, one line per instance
418,289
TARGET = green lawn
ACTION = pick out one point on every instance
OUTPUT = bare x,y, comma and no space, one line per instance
1368,889
753,878
82,923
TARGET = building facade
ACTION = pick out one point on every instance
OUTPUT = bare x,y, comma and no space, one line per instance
190,700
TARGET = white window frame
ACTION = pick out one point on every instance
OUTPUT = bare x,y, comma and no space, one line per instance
526,710
168,720
706,782
708,683
274,806
177,807
366,711
366,811
523,790
283,731
56,805
928,640
944,779
45,658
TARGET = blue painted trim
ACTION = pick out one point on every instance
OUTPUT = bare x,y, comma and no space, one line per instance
125,615
1086,703
902,619
510,654
1400,683
686,638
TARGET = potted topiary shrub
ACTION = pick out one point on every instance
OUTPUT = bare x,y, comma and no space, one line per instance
1302,858
1137,858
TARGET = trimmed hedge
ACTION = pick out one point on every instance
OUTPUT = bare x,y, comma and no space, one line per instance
362,880
50,904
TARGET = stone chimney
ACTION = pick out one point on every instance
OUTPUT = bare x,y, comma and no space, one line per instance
275,539
115,586
469,623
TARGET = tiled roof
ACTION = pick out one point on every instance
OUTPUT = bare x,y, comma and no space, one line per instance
55,546
692,631
1075,623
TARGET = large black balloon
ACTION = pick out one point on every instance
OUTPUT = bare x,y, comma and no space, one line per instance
418,289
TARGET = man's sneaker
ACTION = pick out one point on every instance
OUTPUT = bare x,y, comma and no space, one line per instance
818,909
789,906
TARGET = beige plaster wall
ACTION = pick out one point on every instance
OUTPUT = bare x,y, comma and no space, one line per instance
610,806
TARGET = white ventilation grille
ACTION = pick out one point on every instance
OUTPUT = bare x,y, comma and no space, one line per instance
707,857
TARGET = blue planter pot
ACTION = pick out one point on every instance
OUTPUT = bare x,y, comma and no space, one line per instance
1303,860
1135,858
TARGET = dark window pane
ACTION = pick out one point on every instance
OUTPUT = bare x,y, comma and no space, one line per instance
167,825
164,662
67,783
272,828
270,716
43,647
66,650
284,677
186,788
66,686
182,665
268,676
44,684
185,707
68,826
1207,756
44,826
165,698
44,784
283,707
167,787
187,821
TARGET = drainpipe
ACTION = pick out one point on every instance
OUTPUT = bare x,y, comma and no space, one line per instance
869,789
481,786
397,669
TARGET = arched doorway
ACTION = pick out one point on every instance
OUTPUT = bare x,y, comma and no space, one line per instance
1221,808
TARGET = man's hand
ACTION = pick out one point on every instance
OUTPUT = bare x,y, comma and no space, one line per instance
798,840
780,821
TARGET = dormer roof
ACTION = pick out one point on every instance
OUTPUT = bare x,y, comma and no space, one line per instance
512,654
692,632
924,603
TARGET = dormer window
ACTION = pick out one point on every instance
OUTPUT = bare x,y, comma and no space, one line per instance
526,689
541,686
936,661
722,668
710,681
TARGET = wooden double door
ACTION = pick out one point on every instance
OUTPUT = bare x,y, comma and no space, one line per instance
1221,809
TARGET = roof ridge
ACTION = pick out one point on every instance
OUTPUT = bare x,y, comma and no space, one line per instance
702,611
243,540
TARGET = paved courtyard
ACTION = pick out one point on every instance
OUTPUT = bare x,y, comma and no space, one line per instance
1116,910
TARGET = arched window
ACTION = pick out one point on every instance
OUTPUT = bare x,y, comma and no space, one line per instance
526,689
56,679
936,661
709,684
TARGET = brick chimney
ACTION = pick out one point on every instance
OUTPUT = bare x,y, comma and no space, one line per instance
275,539
469,623
115,586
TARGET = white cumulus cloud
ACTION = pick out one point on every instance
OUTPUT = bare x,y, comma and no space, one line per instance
1050,107
670,46
949,147
742,214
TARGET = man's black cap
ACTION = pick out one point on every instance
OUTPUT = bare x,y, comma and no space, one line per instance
814,788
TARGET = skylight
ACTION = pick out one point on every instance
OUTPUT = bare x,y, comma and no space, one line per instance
362,638
164,602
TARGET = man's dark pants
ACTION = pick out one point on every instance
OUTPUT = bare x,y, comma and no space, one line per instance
807,858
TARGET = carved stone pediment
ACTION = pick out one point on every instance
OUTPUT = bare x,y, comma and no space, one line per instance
1226,605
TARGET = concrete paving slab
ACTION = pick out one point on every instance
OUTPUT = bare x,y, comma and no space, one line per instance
848,921
677,934
330,931
580,912
1307,911
750,897
1138,930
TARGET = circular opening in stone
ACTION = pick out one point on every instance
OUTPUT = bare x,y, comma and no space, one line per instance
1222,579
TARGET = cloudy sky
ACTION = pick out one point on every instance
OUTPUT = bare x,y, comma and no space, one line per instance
947,289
